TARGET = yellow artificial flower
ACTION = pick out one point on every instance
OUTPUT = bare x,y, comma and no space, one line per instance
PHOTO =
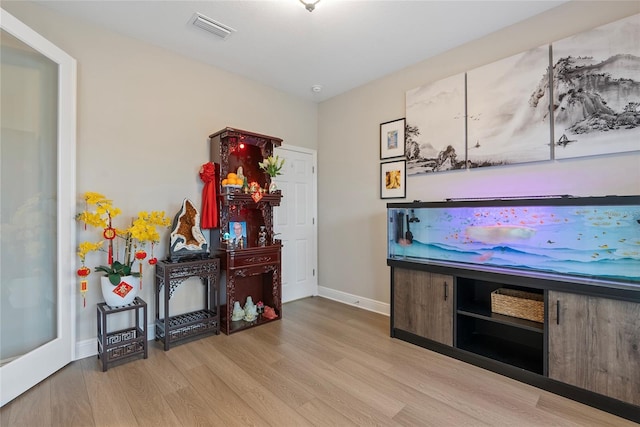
99,213
85,247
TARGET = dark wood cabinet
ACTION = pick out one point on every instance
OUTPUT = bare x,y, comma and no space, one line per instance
254,269
587,348
594,344
251,272
423,304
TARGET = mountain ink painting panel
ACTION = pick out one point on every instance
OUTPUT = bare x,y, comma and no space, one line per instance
508,110
596,90
435,139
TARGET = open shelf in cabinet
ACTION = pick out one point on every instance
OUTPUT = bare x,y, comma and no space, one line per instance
186,325
239,325
522,348
488,315
517,342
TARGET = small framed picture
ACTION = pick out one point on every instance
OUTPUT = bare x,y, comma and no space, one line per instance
238,235
392,139
393,180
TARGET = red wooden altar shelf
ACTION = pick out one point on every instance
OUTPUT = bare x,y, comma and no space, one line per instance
251,272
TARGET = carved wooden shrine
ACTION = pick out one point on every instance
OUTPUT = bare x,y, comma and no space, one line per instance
252,270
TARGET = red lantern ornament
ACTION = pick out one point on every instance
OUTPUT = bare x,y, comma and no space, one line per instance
153,260
109,233
140,255
83,272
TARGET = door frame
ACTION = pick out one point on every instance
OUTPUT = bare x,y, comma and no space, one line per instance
314,208
26,371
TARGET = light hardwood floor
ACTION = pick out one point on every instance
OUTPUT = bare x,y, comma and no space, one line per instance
323,364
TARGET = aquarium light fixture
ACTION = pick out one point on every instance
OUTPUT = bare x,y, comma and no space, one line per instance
471,199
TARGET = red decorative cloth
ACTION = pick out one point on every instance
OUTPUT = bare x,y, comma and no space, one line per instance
209,216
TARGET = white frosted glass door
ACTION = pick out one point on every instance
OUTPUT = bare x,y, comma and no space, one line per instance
28,199
35,240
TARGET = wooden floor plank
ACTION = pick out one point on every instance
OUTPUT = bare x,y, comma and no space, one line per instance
370,395
272,410
322,415
431,412
193,408
30,409
109,405
578,413
222,400
319,383
68,390
171,379
146,400
282,386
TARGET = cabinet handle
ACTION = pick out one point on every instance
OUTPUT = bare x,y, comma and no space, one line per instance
557,312
446,291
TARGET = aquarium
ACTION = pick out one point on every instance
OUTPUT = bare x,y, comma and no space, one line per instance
595,238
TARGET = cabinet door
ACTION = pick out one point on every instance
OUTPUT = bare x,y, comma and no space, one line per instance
594,343
423,304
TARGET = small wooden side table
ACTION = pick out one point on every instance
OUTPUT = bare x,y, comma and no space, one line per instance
169,276
124,343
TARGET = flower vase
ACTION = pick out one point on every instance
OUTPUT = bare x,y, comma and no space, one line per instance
273,187
121,294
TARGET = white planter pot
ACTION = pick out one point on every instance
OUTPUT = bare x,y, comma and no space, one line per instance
122,294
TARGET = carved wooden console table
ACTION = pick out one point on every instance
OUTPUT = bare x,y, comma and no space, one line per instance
171,329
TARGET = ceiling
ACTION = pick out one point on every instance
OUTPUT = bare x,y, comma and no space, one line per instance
341,45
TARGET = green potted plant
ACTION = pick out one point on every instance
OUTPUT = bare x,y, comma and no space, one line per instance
120,282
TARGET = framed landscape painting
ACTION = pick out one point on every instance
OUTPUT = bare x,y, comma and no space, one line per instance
596,82
435,126
508,110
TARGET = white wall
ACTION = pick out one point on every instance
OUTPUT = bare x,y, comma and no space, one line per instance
144,117
352,217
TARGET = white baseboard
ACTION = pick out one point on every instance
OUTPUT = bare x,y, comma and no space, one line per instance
355,300
88,348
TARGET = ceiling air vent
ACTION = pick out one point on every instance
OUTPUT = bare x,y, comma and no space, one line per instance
208,24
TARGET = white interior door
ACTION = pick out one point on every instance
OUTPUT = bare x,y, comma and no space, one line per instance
295,220
37,206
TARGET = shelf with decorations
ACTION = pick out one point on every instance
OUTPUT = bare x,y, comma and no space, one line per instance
244,239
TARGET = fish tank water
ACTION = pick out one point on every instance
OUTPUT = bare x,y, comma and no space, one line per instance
594,238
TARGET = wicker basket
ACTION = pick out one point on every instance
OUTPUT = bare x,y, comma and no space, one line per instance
524,305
